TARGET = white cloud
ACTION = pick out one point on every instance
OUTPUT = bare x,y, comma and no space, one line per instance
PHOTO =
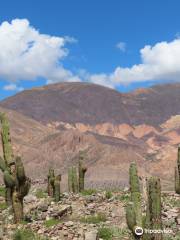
13,87
26,54
121,46
158,62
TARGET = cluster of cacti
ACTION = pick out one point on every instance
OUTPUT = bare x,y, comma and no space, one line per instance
76,180
177,173
17,185
54,185
134,217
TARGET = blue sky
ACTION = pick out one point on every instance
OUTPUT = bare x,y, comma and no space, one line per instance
103,44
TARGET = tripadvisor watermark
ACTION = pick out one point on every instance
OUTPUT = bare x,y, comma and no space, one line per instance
140,231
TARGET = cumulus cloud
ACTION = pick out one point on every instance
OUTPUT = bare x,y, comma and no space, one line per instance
121,46
12,87
158,62
26,54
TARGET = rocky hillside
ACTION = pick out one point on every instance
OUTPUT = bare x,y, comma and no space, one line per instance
51,124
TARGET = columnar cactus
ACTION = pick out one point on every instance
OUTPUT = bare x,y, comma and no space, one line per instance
152,219
153,215
54,185
135,192
70,179
177,173
73,184
51,179
16,183
57,188
82,170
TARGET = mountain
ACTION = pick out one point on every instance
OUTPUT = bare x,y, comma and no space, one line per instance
51,124
92,104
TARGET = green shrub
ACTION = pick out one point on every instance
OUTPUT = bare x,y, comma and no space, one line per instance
3,206
108,194
125,198
105,233
2,191
40,193
100,217
88,192
25,234
51,222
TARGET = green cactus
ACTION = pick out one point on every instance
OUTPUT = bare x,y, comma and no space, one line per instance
6,140
177,173
16,183
130,216
73,184
70,180
135,192
51,179
82,170
153,215
57,188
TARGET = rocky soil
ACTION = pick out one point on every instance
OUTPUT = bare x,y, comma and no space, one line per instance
90,215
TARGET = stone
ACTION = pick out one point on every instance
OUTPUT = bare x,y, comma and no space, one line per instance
93,235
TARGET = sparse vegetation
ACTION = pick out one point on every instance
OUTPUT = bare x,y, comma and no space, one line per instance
51,222
40,193
95,219
88,192
2,191
107,233
108,194
3,206
24,234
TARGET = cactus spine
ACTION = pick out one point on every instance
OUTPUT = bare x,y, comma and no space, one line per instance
16,183
82,170
177,173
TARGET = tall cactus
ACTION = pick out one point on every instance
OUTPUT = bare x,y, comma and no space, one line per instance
54,185
135,192
73,184
153,214
57,188
82,170
177,173
51,179
153,208
16,183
